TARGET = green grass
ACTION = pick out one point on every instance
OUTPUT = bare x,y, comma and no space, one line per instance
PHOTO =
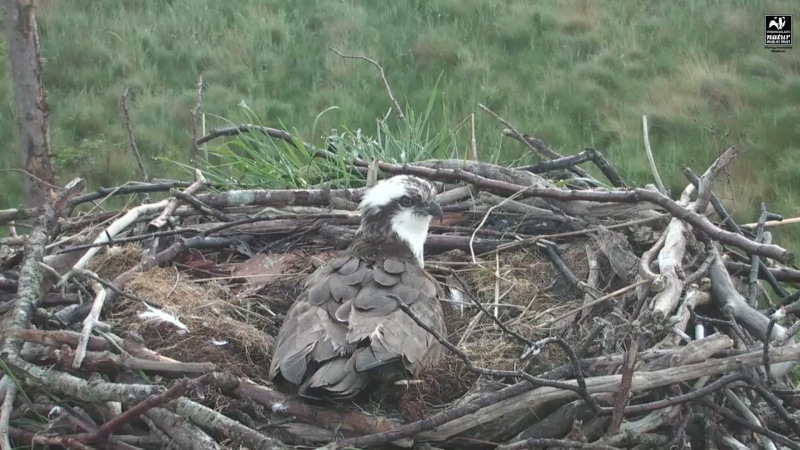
574,73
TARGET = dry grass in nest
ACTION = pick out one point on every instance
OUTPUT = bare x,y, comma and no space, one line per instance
532,291
114,261
218,331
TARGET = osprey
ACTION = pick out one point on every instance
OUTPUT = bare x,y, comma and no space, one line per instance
343,331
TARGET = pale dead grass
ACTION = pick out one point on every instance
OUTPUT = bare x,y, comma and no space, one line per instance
219,332
110,263
534,291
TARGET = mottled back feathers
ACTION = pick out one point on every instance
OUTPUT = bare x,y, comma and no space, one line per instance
344,324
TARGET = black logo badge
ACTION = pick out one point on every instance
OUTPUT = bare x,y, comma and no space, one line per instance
777,31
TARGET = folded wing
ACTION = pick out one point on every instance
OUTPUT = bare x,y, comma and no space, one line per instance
344,327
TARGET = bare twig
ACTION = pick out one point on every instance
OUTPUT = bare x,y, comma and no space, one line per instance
765,432
565,443
5,414
126,116
624,387
650,158
395,105
91,321
159,222
196,111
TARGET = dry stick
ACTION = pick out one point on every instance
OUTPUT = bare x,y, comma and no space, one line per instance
110,232
706,183
670,262
116,290
565,162
195,112
91,321
224,426
726,294
624,387
715,202
483,221
554,257
594,272
775,403
5,415
274,133
160,221
4,380
200,206
772,223
533,240
126,117
127,189
99,361
749,415
784,274
28,293
671,256
395,105
544,442
530,210
650,159
472,141
599,300
747,424
345,420
755,261
143,237
182,433
790,333
541,149
177,390
49,441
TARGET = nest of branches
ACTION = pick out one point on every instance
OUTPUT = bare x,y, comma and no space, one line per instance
578,317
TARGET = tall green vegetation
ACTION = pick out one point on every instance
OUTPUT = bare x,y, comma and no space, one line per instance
574,73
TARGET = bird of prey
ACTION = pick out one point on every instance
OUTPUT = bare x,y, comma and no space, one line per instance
344,332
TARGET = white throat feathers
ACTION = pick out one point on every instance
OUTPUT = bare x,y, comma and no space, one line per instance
412,229
401,205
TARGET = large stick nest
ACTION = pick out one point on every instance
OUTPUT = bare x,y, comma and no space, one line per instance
579,316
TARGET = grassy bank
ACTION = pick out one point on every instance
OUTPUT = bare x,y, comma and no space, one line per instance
574,73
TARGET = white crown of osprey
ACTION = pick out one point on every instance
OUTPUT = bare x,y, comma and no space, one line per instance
393,189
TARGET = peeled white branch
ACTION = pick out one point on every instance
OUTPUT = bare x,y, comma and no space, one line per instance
108,234
91,321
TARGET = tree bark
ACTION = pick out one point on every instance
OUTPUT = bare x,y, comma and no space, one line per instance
32,113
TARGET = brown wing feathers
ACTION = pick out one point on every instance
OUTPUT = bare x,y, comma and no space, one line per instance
344,325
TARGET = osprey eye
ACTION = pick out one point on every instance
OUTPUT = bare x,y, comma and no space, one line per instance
405,201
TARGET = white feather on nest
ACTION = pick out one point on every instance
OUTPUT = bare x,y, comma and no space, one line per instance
158,315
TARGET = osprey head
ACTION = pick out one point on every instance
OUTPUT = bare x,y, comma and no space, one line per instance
400,206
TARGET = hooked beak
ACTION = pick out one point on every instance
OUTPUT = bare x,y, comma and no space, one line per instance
433,209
